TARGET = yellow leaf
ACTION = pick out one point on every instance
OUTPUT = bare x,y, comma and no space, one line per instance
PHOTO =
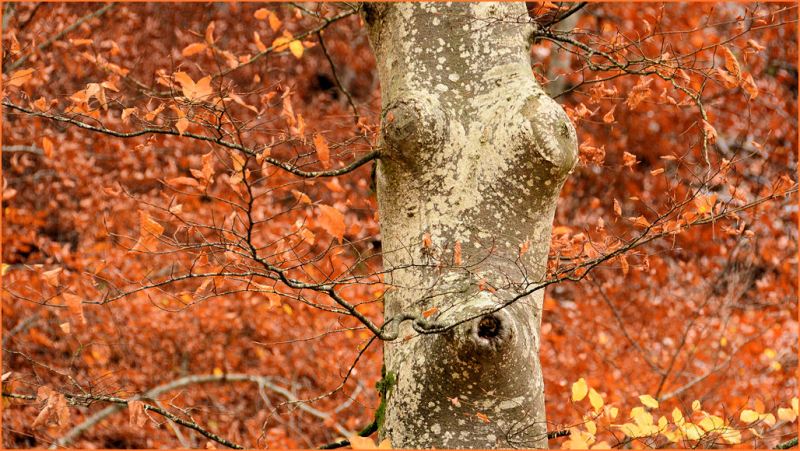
579,390
695,405
787,415
65,327
385,444
768,419
601,445
4,269
712,423
218,371
47,146
692,431
649,401
641,417
591,427
296,47
595,399
794,405
731,436
748,416
20,77
631,430
677,416
194,49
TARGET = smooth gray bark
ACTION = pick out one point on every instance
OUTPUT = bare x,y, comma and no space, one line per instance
475,154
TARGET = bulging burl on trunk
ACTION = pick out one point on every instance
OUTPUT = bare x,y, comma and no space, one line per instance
474,154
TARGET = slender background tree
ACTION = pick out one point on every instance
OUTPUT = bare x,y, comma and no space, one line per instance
218,227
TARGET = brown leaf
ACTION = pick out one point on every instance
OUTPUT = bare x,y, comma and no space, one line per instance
55,409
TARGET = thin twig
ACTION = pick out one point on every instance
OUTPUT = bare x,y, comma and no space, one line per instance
58,36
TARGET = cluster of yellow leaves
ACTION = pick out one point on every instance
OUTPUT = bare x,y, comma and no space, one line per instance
641,422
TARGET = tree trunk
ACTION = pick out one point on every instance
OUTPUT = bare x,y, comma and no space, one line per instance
474,156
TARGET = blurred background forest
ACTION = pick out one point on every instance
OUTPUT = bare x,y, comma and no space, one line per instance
707,314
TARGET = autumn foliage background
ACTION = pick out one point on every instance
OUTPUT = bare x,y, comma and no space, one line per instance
708,313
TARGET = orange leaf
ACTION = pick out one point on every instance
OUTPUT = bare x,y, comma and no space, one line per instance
332,221
457,253
51,277
261,14
194,49
624,264
136,414
323,151
210,33
80,42
710,132
426,240
75,306
191,90
730,63
47,146
177,181
482,417
609,117
274,22
628,159
749,86
127,112
431,311
301,197
259,45
20,77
